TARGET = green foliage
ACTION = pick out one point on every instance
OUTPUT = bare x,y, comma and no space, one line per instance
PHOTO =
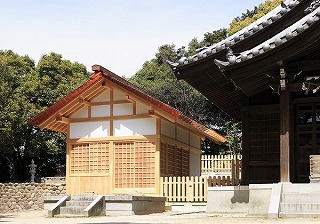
26,90
156,78
249,17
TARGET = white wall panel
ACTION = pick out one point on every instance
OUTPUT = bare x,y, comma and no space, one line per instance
182,135
122,109
141,108
168,129
144,126
90,129
100,111
194,163
195,141
118,94
103,97
81,113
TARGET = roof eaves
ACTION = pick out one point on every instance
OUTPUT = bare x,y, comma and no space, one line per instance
157,103
55,108
274,42
241,35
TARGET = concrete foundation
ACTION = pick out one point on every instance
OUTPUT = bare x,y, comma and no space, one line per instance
233,199
133,205
259,199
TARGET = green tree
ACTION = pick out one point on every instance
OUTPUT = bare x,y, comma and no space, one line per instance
27,90
157,79
250,16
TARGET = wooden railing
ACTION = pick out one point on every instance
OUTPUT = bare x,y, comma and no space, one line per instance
192,189
217,171
214,164
184,189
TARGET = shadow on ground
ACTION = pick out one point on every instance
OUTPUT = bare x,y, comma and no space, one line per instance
5,217
115,222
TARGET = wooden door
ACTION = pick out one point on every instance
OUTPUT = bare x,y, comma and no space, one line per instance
307,140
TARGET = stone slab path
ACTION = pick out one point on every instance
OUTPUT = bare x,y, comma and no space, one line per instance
39,217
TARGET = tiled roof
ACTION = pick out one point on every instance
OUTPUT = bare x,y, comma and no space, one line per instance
241,35
276,41
102,73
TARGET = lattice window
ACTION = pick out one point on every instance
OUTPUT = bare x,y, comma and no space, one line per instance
264,136
185,163
163,158
171,160
174,160
134,165
178,162
89,158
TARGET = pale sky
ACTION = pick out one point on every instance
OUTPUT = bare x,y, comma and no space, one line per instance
117,34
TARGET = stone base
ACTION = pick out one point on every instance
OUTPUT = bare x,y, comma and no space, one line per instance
231,199
133,205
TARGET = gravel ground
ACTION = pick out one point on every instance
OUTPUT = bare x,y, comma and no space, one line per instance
39,217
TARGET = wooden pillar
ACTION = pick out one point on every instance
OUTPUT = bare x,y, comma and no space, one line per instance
245,177
245,148
285,136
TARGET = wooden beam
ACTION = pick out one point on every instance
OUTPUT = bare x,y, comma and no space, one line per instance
303,66
110,118
104,84
154,114
84,101
62,119
130,99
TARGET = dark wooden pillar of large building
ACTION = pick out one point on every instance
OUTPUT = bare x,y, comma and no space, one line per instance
284,129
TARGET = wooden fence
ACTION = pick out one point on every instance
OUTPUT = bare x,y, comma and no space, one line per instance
191,189
212,164
194,189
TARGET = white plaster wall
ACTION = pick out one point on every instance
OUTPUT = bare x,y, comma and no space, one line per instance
168,129
144,126
100,111
195,141
182,135
141,108
103,97
90,129
118,94
81,113
122,109
194,163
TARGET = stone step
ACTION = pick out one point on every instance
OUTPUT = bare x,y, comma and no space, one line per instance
299,208
78,203
74,210
299,215
300,197
83,198
69,216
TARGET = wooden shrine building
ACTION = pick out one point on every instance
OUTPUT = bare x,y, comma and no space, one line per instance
267,76
120,140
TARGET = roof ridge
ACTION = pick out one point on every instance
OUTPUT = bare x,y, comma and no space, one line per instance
165,107
127,83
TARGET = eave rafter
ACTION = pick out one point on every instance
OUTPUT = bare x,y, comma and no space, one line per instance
62,119
130,99
83,101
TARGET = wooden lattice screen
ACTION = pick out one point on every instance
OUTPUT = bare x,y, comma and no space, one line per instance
174,160
89,158
264,148
134,165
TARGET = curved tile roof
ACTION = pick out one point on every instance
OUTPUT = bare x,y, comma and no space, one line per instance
246,32
277,40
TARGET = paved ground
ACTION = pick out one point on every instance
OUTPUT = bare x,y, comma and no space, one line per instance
39,217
